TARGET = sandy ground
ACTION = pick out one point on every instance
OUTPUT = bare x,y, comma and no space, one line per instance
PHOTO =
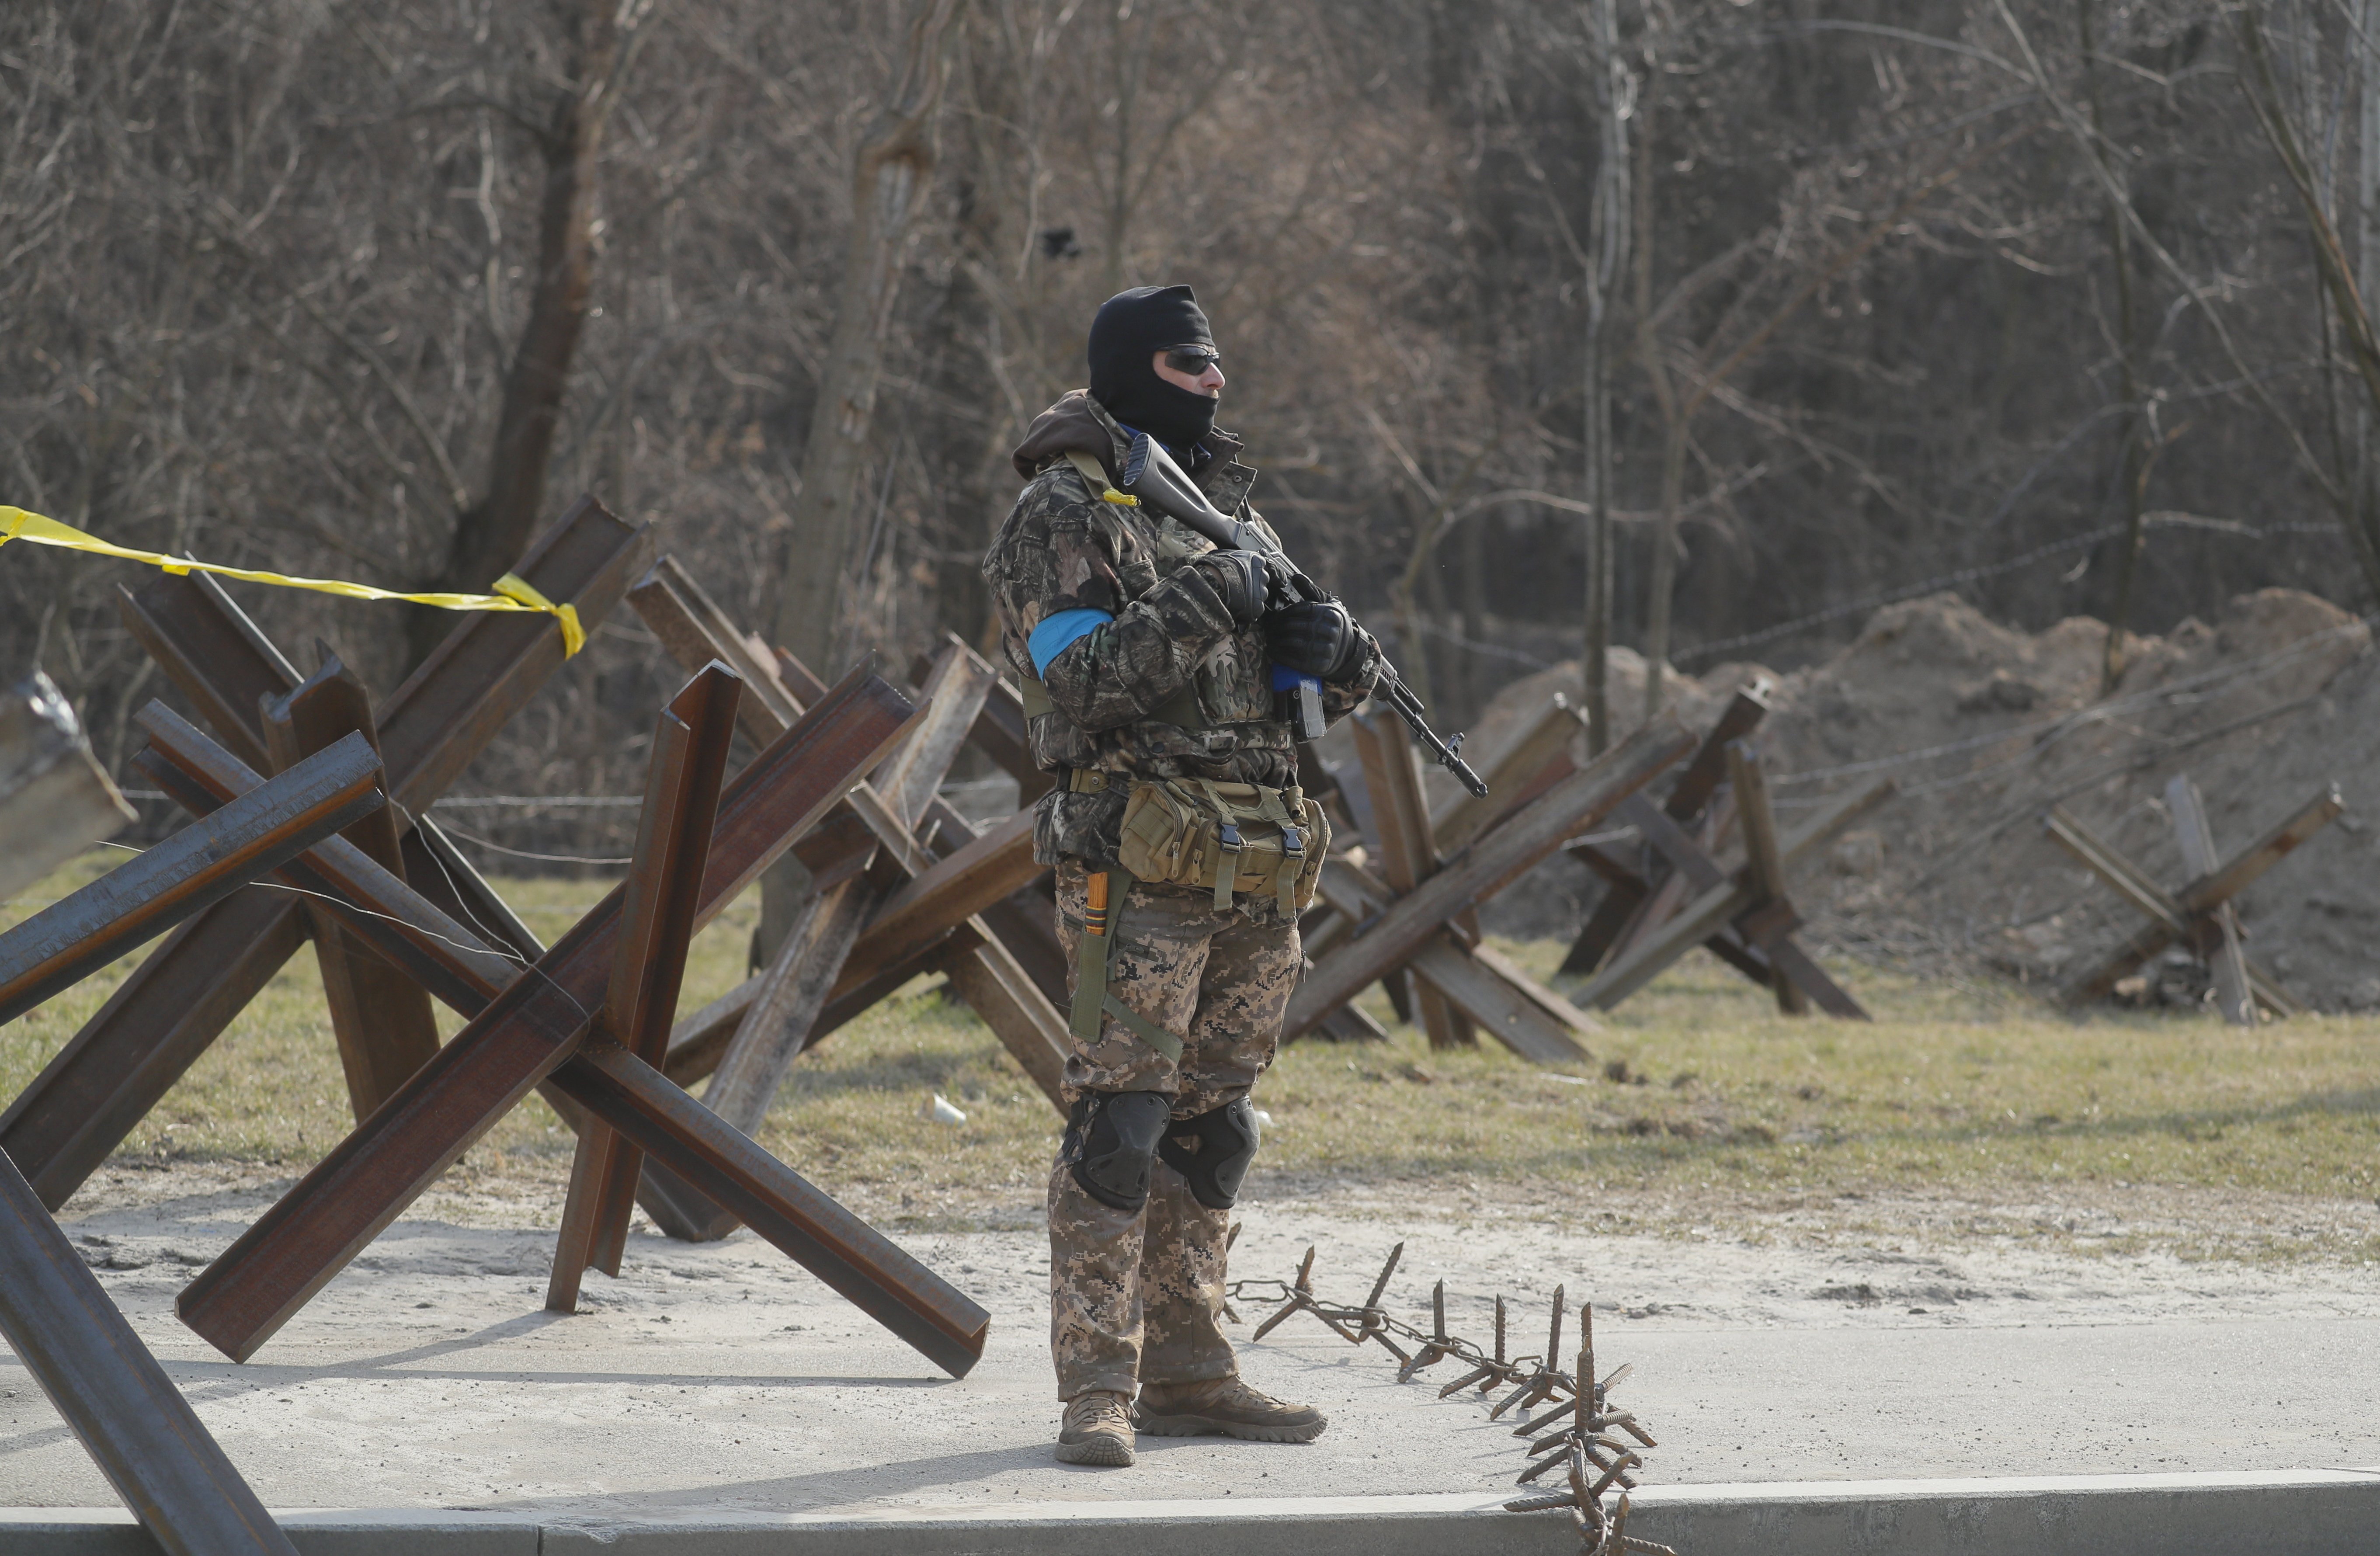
1836,1343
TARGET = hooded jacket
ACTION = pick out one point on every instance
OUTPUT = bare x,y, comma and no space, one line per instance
1170,687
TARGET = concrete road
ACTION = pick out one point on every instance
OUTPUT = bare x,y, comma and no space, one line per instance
721,1378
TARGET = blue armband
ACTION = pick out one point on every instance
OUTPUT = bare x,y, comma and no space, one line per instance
1054,636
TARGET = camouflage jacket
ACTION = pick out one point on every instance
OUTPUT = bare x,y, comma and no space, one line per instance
1171,687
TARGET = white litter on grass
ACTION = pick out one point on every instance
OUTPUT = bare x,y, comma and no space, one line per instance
1264,1118
939,1110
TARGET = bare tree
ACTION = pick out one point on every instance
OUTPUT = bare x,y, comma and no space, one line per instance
891,169
2131,429
1608,240
491,533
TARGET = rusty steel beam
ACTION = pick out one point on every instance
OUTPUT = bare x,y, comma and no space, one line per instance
689,759
1722,904
859,1262
1532,764
180,999
1618,915
135,1424
1407,846
371,903
380,1017
525,1034
213,653
1502,854
693,631
950,893
197,867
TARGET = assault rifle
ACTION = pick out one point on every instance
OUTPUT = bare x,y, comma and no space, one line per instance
1151,475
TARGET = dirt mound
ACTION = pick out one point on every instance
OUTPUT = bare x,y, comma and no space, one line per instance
1985,728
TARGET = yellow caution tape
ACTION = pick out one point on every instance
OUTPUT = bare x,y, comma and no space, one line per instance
512,592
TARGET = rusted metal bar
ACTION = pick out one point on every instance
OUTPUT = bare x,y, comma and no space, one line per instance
380,1017
523,1036
437,869
183,995
1719,906
214,655
2170,915
953,891
1536,762
772,1200
134,1423
370,903
1619,915
1522,839
181,877
1473,987
1408,853
687,764
520,1038
694,631
1761,859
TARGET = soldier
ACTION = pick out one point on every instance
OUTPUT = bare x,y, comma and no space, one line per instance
1183,851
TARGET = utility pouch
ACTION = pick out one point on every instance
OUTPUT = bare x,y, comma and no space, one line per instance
1228,837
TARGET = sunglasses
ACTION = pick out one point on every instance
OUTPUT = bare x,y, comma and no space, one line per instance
1192,360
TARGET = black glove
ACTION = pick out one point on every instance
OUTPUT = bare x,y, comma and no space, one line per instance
1242,578
1314,637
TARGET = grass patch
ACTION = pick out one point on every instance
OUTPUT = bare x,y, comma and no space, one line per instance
1701,1095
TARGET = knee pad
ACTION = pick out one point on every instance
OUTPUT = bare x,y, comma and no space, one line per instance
1112,1144
1213,1151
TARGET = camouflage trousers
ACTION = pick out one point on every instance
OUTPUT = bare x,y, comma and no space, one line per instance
1138,1297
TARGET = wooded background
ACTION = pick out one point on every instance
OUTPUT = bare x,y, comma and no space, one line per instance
1781,307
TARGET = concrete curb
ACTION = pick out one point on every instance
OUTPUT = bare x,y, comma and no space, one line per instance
2299,1513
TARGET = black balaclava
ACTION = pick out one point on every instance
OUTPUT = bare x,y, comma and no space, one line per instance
1131,328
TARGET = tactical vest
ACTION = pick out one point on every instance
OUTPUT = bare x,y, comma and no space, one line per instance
1229,687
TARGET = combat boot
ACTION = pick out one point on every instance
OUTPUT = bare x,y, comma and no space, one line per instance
1098,1431
1224,1407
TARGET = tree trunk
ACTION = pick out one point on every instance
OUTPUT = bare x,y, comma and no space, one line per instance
1607,249
891,168
491,535
2367,247
894,165
1664,584
2135,472
1673,437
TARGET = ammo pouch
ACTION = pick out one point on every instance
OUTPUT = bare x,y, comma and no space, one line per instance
1229,837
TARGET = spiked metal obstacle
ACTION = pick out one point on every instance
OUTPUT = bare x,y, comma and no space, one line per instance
1377,933
899,883
1676,895
2200,915
1583,1435
1454,984
56,1316
180,999
540,1021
